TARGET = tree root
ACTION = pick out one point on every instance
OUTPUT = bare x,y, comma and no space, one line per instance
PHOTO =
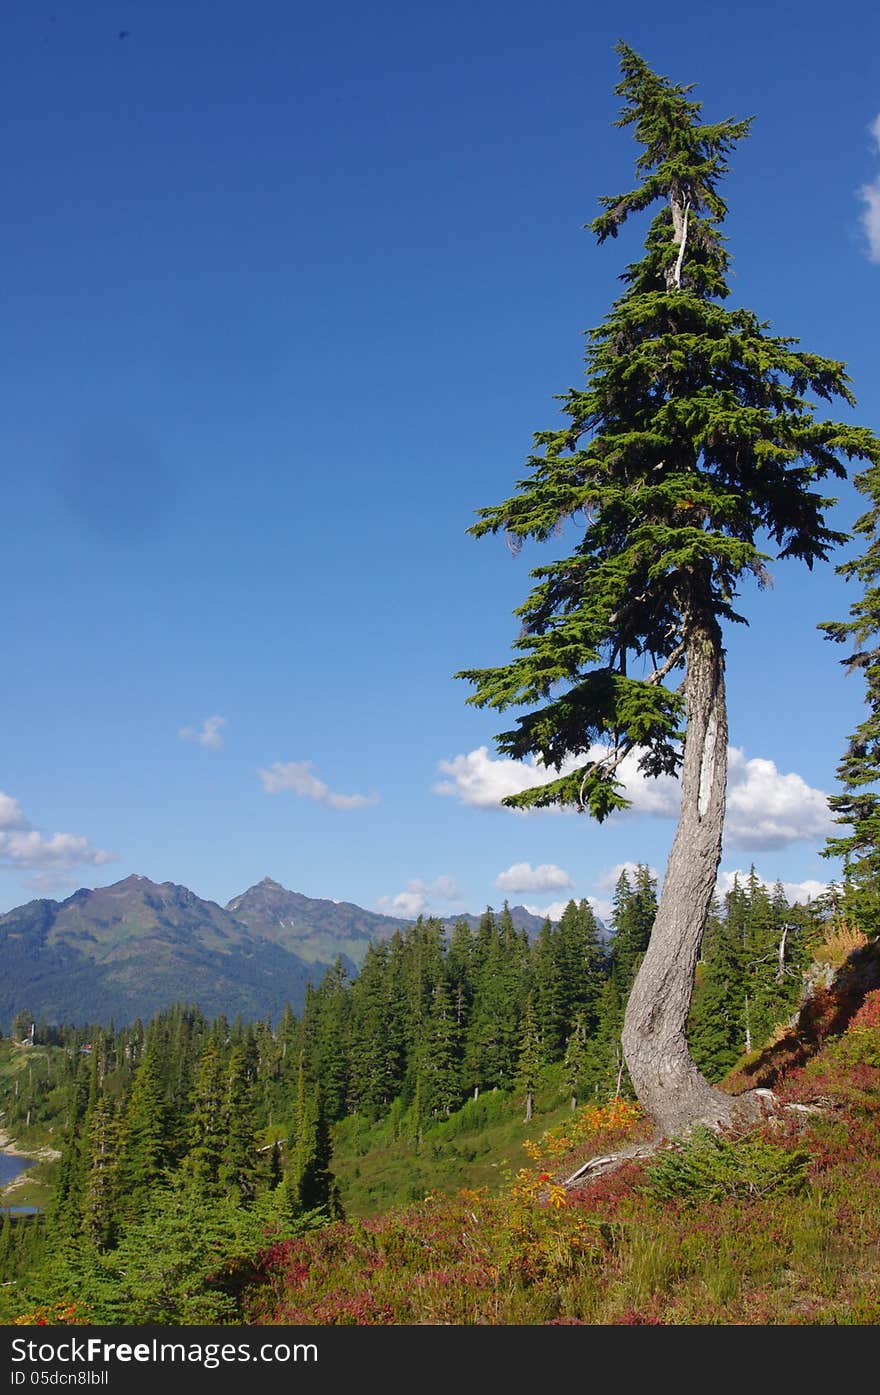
755,1106
609,1162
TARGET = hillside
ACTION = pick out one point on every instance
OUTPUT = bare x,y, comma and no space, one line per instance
476,1220
776,1227
316,930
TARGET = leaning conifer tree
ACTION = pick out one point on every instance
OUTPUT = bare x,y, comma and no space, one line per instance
691,439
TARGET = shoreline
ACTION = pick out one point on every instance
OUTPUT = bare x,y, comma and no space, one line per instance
7,1145
36,1155
23,1179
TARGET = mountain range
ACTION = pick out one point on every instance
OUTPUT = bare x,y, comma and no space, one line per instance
128,950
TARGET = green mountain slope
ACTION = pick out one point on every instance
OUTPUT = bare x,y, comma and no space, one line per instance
131,949
316,930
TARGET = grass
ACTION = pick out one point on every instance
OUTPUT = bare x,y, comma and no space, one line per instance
840,941
383,1164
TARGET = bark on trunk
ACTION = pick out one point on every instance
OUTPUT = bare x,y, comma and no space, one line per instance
680,210
669,1087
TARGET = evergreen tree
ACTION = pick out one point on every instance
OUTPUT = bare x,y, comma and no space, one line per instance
65,1209
238,1172
577,1061
101,1186
530,1059
207,1121
692,440
857,806
440,1063
604,1072
492,1040
551,988
422,972
376,1053
633,914
145,1132
581,962
309,1183
716,1029
458,968
325,1038
7,1248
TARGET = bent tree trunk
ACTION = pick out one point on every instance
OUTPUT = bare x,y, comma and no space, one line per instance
669,1087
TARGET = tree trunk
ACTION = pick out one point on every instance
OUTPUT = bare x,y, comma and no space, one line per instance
669,1087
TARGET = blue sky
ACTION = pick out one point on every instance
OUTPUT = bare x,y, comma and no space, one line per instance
286,290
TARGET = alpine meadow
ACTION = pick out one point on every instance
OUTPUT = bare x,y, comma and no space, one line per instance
659,1109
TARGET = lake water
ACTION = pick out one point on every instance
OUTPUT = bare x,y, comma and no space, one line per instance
11,1166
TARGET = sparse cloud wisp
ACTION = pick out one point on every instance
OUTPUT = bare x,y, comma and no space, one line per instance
298,777
208,734
869,195
418,896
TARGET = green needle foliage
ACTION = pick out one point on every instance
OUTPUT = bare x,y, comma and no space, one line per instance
858,806
706,1167
692,443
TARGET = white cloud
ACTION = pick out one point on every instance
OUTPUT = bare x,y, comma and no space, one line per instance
609,879
483,781
23,846
765,808
869,194
418,896
554,910
296,776
11,815
408,904
522,876
794,891
602,908
207,735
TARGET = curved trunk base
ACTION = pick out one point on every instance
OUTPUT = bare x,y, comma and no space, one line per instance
669,1086
676,1097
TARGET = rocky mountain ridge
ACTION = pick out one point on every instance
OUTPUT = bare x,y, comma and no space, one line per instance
132,948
